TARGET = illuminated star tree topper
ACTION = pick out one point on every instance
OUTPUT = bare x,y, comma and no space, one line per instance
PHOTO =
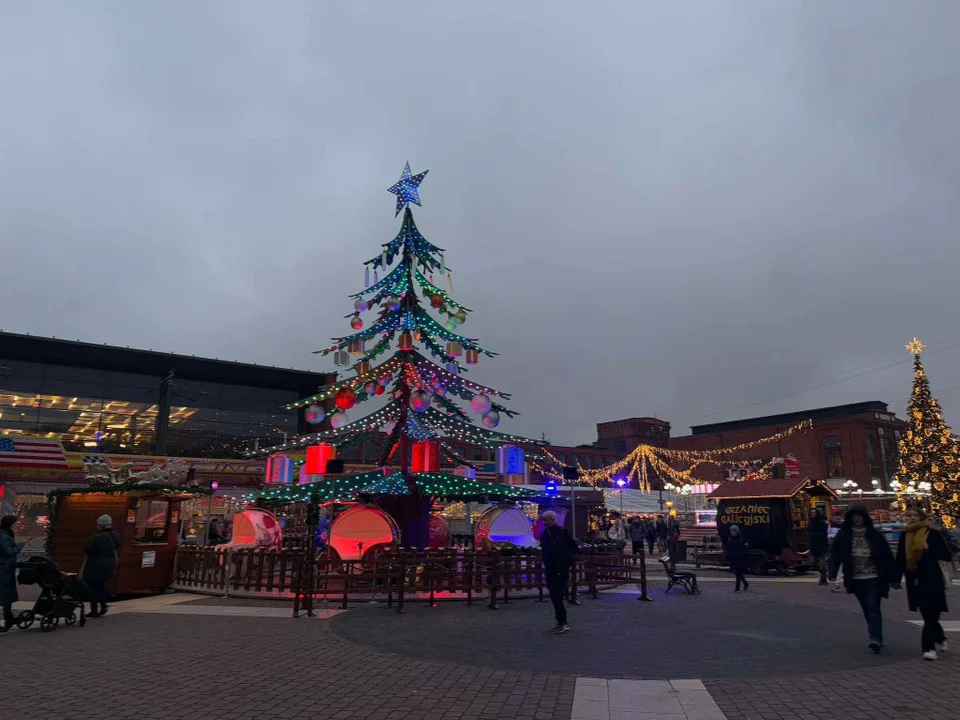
406,189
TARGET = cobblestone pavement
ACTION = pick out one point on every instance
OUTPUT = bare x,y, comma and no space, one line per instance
778,651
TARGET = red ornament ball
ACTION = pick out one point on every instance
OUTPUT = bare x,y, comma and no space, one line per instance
436,302
356,323
345,398
379,390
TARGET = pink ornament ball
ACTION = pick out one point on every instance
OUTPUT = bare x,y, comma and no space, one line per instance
338,420
481,403
420,400
490,419
314,414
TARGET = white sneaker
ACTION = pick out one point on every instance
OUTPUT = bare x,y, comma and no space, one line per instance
930,655
943,647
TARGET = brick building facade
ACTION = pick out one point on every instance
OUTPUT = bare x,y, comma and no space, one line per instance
847,442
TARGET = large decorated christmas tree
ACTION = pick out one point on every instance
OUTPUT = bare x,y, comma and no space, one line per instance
422,379
929,462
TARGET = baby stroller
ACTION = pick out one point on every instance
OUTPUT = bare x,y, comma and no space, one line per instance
61,595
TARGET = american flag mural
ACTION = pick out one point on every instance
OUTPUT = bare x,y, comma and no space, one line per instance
31,452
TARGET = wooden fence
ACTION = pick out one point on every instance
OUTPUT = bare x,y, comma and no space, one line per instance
394,577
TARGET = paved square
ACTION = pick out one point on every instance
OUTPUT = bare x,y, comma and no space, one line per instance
780,651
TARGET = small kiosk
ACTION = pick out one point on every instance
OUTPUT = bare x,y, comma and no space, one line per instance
145,513
772,516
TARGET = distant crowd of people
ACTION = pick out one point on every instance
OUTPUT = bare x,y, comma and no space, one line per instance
663,533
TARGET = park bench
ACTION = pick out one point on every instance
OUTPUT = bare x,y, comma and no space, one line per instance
686,580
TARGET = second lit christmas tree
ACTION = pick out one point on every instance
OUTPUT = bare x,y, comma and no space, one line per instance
929,462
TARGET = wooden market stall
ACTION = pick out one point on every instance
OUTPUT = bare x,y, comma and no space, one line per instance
146,518
772,516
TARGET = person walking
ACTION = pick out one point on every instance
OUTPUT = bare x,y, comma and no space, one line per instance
558,549
102,553
738,556
817,533
919,553
861,551
663,534
9,549
651,535
637,534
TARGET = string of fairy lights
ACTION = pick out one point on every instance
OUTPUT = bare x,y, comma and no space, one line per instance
637,464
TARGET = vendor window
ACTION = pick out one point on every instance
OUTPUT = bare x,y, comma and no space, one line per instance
153,520
832,457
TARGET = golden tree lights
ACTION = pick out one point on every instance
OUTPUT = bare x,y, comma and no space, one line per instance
928,465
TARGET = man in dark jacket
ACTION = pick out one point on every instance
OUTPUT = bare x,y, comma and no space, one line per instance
868,568
558,549
102,551
9,549
817,530
663,535
738,555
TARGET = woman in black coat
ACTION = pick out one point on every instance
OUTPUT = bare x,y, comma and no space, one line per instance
919,554
102,551
738,556
9,549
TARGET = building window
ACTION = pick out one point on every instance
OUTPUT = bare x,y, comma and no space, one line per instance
872,457
832,457
477,454
587,464
888,445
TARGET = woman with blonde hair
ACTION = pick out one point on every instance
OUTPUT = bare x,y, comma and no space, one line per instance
919,554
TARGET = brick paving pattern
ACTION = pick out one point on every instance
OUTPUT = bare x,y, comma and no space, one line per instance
780,651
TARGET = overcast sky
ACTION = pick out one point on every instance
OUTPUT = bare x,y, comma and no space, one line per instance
678,209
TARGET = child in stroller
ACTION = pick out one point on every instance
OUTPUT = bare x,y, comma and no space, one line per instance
61,594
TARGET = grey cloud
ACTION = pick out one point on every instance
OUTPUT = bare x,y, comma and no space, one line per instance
654,208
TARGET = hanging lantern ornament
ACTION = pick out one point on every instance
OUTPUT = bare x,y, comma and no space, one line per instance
420,400
405,343
355,347
338,420
452,368
481,403
436,302
452,324
454,349
356,323
490,419
472,356
362,367
341,358
314,414
360,305
345,398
